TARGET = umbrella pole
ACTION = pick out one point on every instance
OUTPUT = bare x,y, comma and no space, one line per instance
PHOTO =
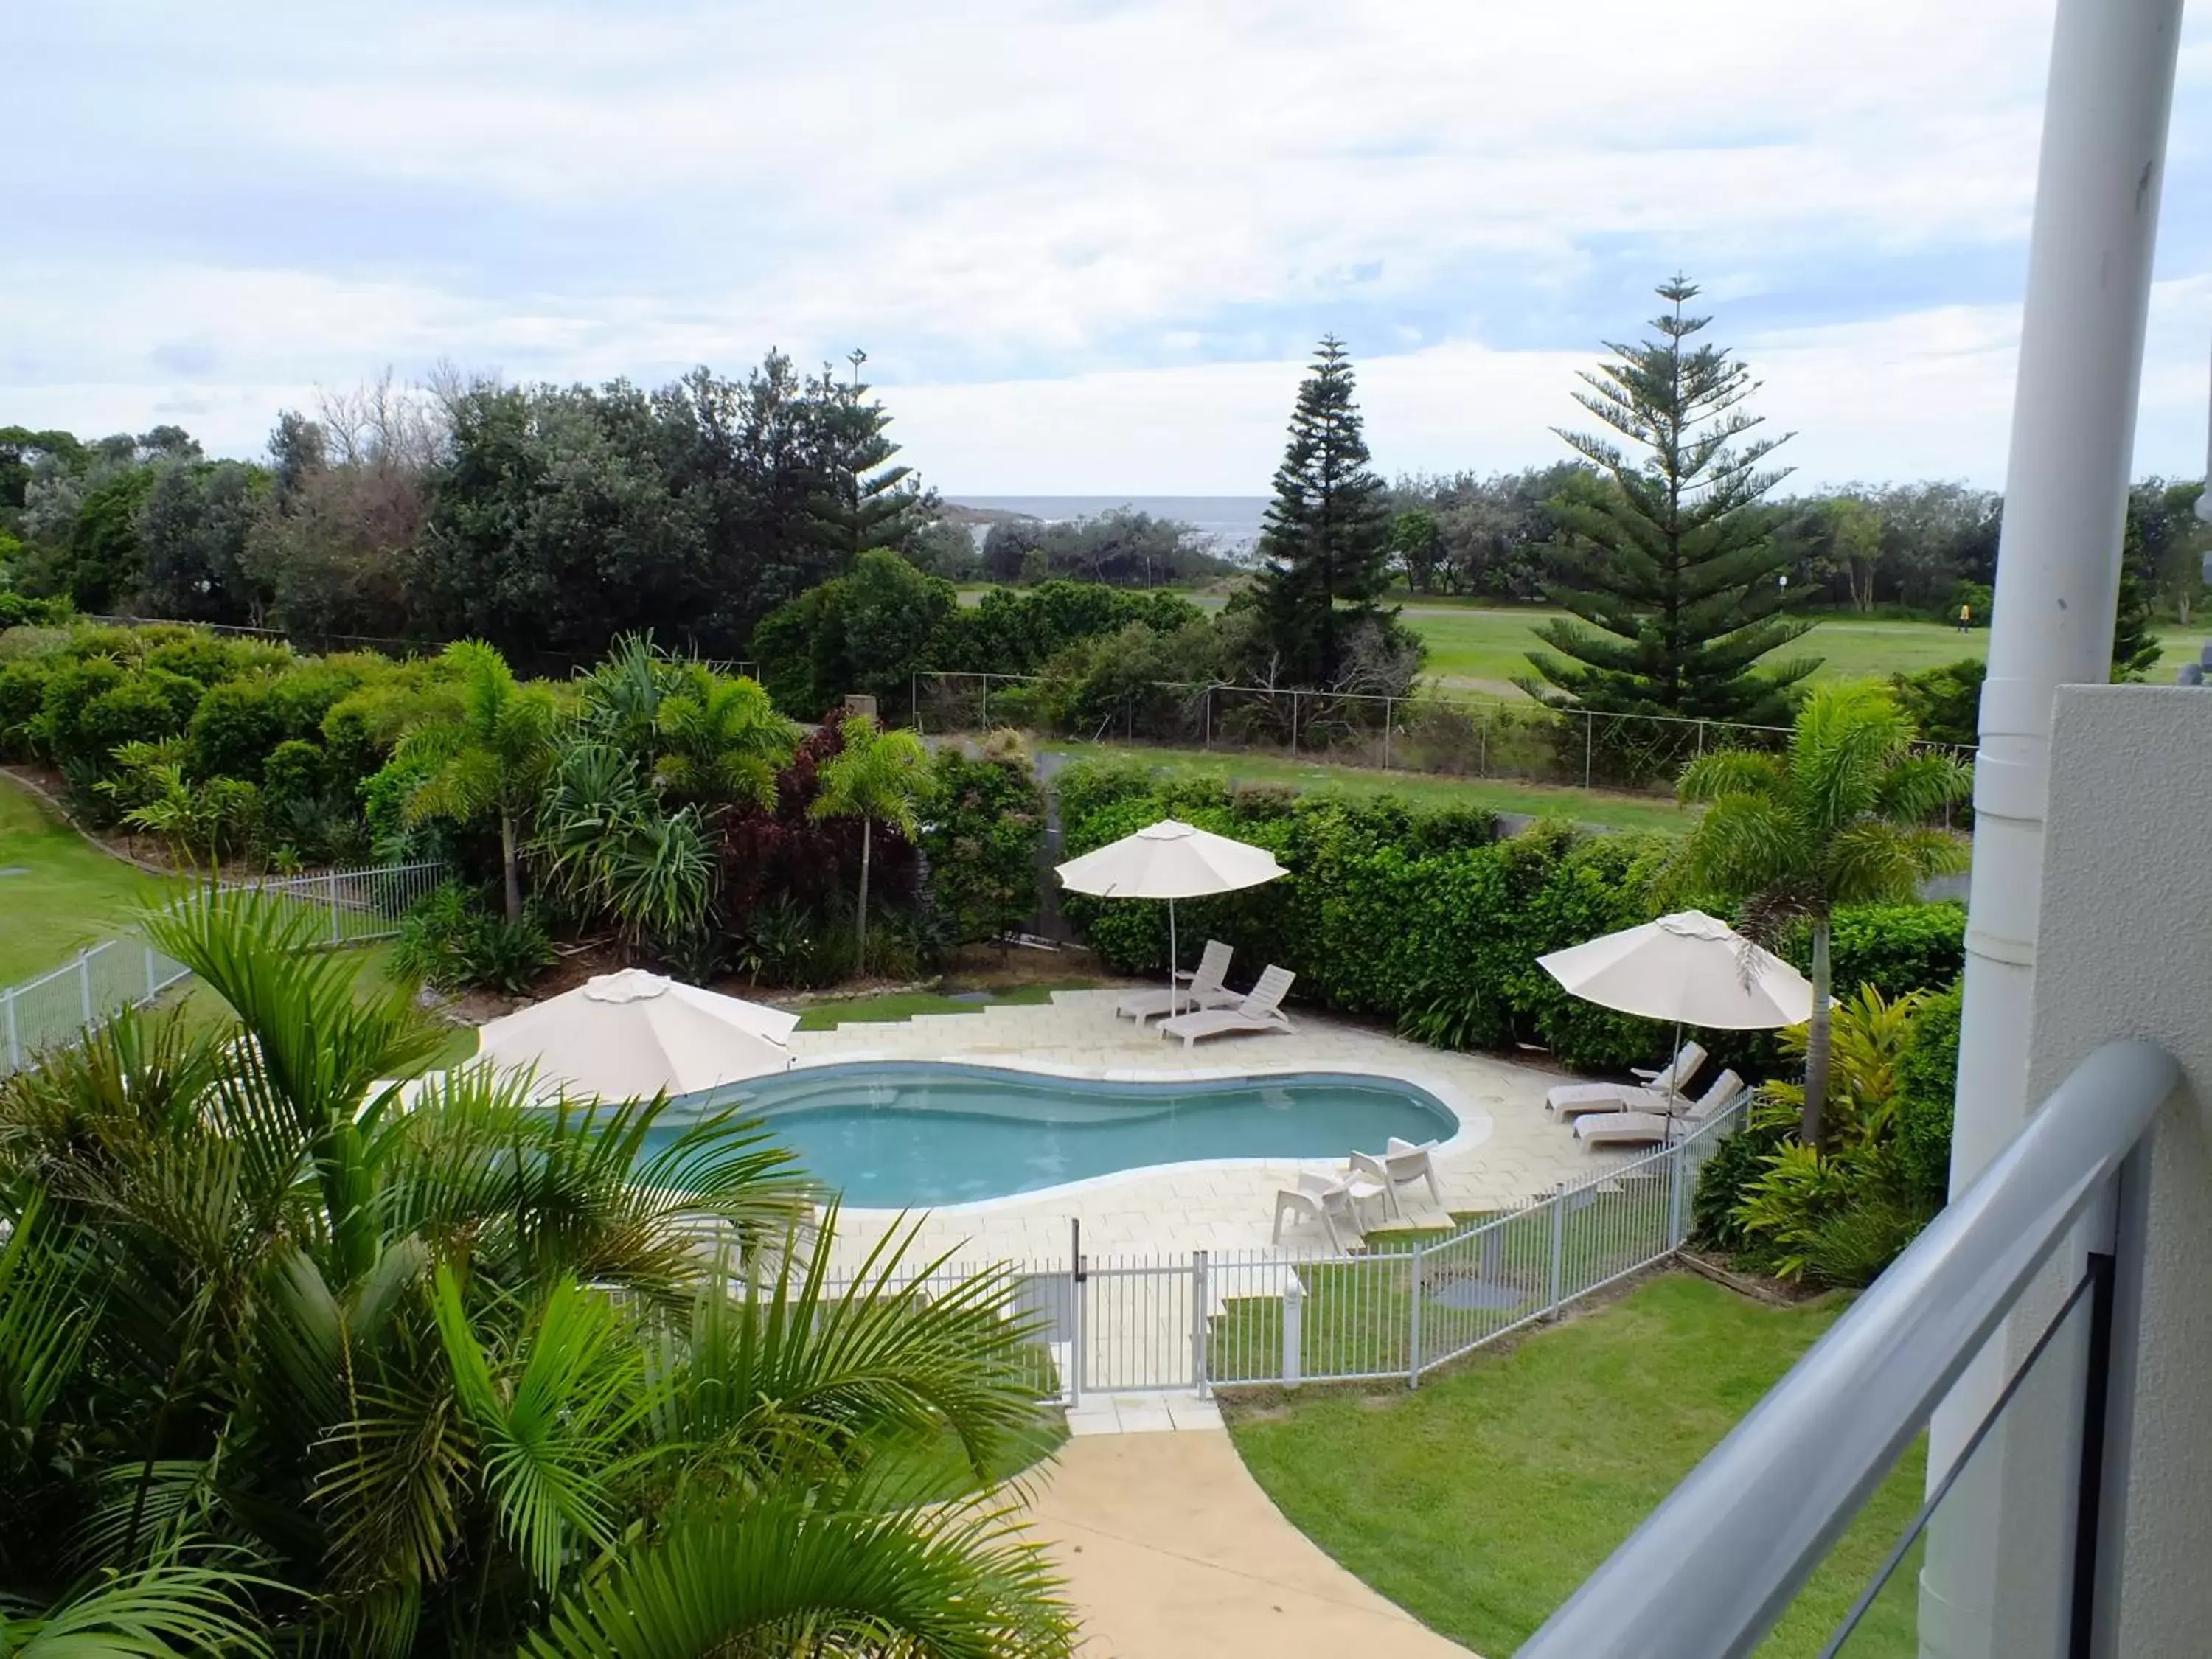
1175,993
1673,1075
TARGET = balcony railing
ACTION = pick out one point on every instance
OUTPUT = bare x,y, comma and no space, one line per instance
2037,1239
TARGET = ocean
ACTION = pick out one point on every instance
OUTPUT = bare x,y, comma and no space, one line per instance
1230,522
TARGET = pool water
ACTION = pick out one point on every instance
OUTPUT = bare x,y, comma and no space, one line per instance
915,1133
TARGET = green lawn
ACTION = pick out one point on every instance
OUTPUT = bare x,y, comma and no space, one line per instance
70,894
1597,807
895,1005
1486,648
1479,1502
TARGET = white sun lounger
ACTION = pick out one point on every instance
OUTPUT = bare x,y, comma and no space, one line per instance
1572,1100
1402,1162
1260,1012
1635,1128
1320,1198
1204,990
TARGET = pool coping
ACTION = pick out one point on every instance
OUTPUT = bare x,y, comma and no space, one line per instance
1476,1124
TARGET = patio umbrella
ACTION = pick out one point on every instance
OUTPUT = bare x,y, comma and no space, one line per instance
1689,968
1169,860
632,1033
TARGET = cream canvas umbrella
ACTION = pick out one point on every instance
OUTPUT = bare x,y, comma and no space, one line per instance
632,1034
1169,860
1689,968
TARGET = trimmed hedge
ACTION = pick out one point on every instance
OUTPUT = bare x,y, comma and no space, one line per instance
1927,1079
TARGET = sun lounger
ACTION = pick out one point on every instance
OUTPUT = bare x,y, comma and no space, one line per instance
1204,990
1320,1198
1258,1012
1402,1162
1637,1129
1572,1100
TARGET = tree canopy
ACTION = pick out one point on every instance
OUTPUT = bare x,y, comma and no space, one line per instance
1677,599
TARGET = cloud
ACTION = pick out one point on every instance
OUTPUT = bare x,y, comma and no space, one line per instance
1045,207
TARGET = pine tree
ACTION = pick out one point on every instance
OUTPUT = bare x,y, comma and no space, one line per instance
1326,542
867,501
2136,649
1679,588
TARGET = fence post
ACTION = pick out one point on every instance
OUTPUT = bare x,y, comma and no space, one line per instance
1294,726
1482,746
1590,744
1413,1335
986,702
1385,735
1294,1310
84,981
1675,1230
153,979
14,1037
1074,1311
331,893
1209,717
1701,739
1559,1249
1198,1304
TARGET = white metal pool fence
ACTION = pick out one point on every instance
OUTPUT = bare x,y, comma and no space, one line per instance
54,1010
1276,1318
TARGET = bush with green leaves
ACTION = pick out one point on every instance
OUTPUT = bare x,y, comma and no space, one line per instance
981,838
1927,1081
451,940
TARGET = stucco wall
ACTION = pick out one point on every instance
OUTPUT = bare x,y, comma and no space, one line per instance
2124,949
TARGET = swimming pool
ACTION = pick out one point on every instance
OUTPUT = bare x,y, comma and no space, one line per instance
915,1133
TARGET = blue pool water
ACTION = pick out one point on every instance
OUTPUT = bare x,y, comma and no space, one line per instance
915,1133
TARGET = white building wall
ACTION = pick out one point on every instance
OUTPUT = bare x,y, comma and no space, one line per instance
2124,949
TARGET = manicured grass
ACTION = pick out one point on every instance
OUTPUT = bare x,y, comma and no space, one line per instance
1480,1501
895,1005
1597,807
1486,648
72,895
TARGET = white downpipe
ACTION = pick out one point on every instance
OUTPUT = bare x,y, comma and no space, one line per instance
2102,167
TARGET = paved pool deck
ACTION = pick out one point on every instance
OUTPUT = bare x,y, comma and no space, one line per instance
1508,1150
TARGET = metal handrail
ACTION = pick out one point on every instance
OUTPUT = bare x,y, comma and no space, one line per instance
1712,1569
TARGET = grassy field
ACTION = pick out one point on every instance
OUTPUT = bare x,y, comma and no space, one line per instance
60,894
1597,807
1485,649
1479,1502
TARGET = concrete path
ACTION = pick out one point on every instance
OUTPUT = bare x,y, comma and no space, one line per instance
1171,1550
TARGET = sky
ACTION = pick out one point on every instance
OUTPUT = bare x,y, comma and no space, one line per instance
1087,245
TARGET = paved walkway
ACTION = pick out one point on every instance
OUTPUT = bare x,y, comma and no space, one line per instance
1508,1150
1171,1550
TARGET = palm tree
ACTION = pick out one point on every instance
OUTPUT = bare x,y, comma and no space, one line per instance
1841,817
721,741
285,1367
485,742
879,777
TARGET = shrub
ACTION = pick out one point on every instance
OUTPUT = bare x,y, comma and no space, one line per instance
1927,1079
453,942
982,842
234,729
70,690
1895,948
22,696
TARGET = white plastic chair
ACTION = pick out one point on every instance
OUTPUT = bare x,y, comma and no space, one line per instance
1572,1100
1257,1013
1326,1199
1203,989
1402,1162
1634,1128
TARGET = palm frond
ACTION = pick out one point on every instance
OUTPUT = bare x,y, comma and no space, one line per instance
779,1573
1733,772
167,1611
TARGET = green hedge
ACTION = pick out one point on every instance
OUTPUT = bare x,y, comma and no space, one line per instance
1427,918
1927,1079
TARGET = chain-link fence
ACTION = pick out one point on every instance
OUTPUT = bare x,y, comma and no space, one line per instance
339,907
1445,733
